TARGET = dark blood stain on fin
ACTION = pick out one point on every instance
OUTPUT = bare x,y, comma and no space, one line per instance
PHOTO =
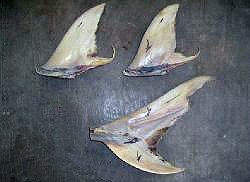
148,69
152,70
154,138
63,72
82,67
144,70
153,150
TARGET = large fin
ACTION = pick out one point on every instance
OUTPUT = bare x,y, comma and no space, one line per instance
76,53
156,54
134,137
139,156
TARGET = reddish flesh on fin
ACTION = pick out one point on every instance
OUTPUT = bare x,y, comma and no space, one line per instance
82,67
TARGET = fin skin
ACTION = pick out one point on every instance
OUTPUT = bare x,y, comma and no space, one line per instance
77,51
133,138
156,54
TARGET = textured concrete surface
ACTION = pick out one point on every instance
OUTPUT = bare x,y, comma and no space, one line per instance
44,121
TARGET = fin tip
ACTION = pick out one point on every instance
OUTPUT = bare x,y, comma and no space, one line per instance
173,7
102,5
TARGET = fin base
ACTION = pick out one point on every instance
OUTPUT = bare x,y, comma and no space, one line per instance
151,70
68,73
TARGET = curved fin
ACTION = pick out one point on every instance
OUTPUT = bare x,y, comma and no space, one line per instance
134,137
76,52
156,54
139,156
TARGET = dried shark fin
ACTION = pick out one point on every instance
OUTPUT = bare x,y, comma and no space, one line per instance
156,54
77,51
133,138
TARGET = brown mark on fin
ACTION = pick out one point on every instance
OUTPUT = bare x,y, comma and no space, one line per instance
148,46
153,140
80,24
138,156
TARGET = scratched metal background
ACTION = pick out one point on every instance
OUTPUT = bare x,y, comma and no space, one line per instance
44,121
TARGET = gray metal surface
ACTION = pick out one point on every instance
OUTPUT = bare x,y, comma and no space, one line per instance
44,121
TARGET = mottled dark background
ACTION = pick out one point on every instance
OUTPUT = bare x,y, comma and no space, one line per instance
44,121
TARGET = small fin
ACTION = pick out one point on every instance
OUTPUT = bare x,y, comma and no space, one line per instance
75,48
156,54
